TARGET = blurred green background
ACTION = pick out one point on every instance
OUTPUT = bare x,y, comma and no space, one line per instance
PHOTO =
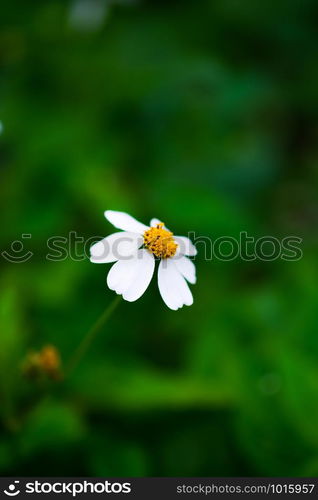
203,114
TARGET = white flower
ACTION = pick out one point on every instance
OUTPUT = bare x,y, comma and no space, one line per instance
134,250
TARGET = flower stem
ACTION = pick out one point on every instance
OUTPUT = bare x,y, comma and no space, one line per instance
90,336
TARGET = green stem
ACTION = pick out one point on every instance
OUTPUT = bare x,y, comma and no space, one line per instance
90,336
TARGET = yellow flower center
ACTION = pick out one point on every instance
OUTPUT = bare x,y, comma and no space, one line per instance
160,242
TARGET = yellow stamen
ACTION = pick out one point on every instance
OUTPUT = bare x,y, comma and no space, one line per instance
160,242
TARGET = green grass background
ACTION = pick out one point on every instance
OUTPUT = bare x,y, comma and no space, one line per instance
203,114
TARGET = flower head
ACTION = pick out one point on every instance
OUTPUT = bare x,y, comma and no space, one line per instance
160,242
134,250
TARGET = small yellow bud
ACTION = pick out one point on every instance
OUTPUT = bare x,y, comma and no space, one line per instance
46,362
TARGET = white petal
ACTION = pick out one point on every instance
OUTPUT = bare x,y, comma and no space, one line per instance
130,278
181,286
171,300
172,286
126,222
142,278
154,222
115,274
186,247
121,275
186,267
116,246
